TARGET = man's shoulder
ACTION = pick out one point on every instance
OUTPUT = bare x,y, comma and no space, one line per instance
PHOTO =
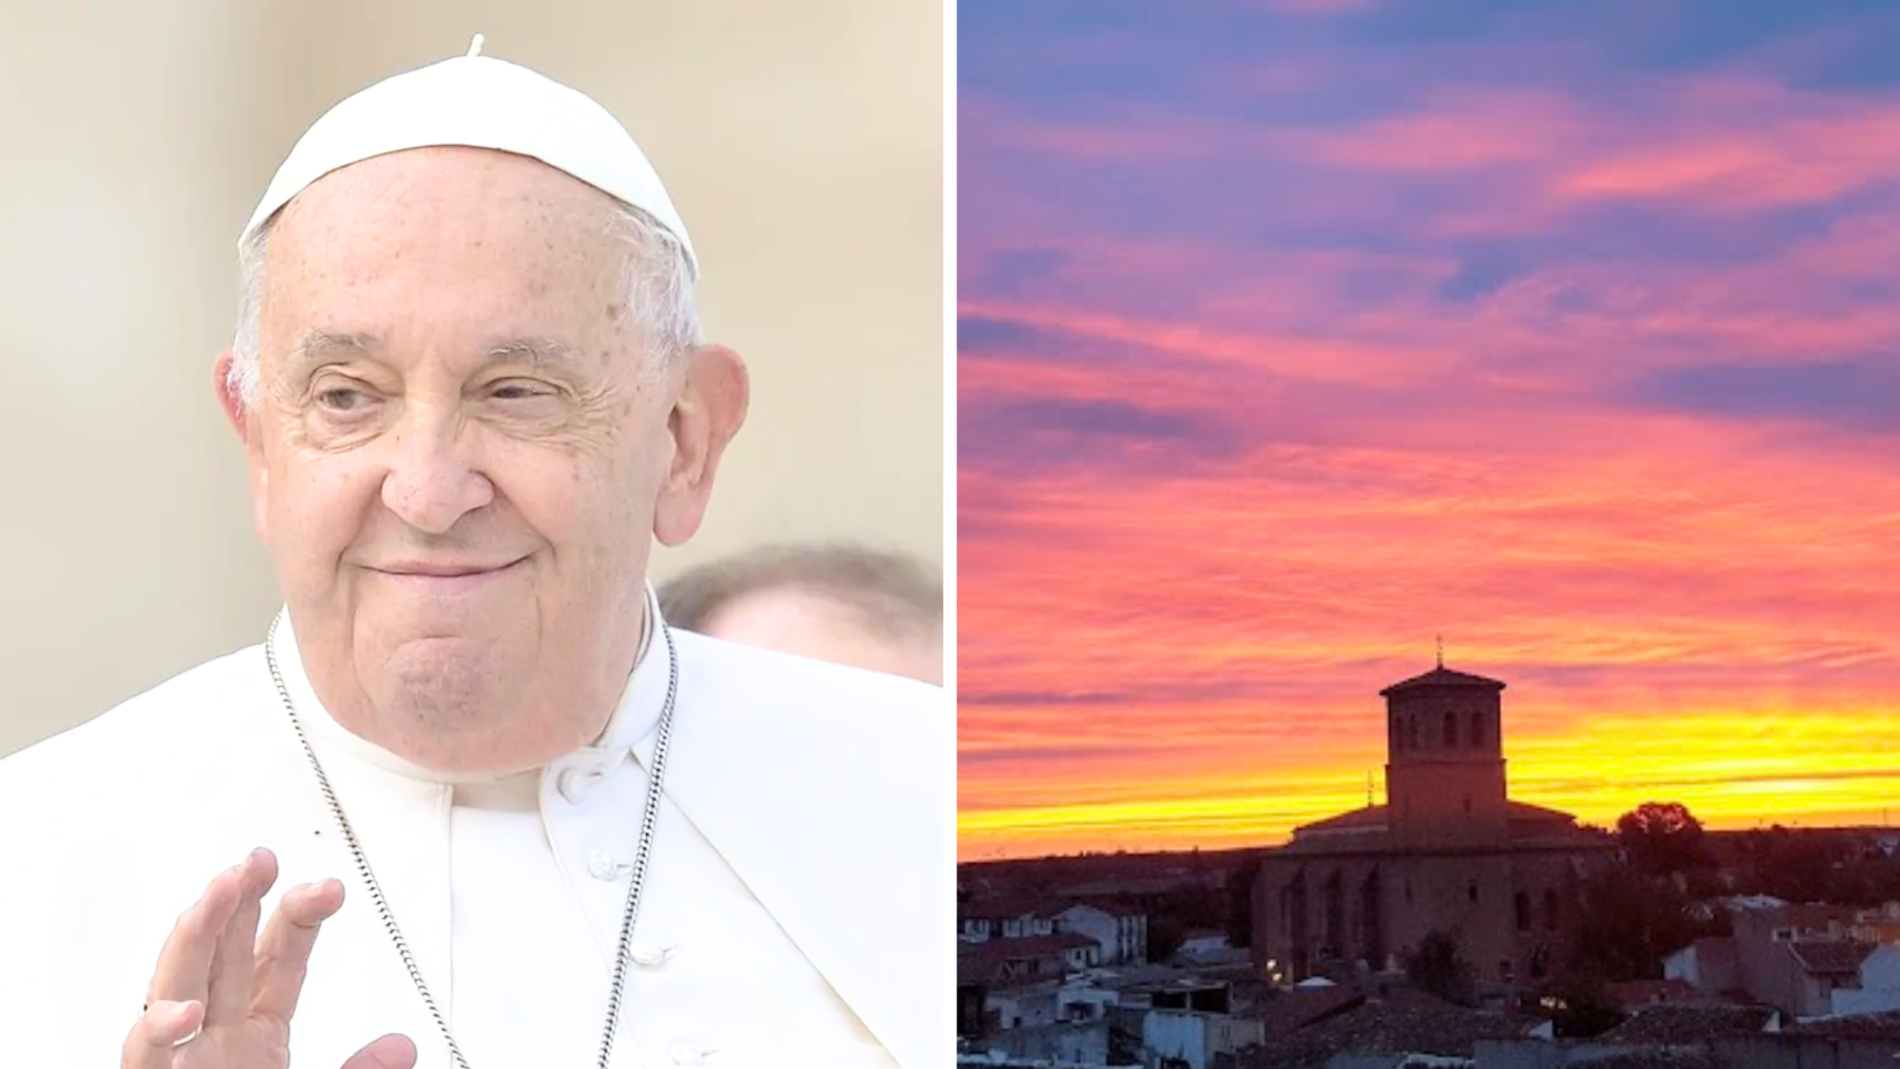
772,682
127,736
750,708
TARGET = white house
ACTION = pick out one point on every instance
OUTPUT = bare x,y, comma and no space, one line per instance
1024,1005
1879,989
1122,933
1005,919
1081,999
1195,1038
1022,979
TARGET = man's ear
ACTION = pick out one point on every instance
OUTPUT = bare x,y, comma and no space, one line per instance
228,398
245,424
710,410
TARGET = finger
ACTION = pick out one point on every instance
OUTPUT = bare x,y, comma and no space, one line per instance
184,964
158,1031
229,995
283,954
390,1052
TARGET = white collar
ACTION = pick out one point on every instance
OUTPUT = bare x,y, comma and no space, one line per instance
635,717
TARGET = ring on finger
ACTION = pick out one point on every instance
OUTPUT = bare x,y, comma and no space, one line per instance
195,1033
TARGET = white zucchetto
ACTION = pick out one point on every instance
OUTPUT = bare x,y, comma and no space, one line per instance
479,102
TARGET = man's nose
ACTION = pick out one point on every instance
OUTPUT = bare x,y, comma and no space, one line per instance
432,480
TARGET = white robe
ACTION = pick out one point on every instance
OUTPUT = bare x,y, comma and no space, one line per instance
793,912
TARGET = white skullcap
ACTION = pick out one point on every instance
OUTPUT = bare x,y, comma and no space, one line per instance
476,101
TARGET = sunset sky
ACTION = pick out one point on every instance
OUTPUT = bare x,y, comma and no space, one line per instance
1293,333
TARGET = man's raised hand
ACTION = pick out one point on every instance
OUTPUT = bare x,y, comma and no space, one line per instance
222,997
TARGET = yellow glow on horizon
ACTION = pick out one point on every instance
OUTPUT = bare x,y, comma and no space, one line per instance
1733,770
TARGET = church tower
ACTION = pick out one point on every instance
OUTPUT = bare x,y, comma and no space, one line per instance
1444,770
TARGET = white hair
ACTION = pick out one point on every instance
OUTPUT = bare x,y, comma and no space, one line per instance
659,279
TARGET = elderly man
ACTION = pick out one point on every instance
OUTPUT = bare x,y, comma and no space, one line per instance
845,604
474,802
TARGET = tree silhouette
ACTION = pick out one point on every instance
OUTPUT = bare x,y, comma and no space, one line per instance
1799,865
1663,838
1628,922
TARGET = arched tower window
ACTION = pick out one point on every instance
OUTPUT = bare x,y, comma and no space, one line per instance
1451,730
1411,732
1523,902
1477,729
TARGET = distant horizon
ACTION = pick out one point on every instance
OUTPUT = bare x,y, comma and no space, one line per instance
1607,825
1295,334
1582,796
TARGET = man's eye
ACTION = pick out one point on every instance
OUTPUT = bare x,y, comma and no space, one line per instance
517,391
342,399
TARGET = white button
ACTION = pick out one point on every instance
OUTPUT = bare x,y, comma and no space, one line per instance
602,866
576,782
685,1053
648,954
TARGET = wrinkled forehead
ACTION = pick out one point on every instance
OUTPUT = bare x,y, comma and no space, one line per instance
449,188
463,225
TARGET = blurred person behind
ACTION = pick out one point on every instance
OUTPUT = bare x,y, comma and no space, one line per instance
847,604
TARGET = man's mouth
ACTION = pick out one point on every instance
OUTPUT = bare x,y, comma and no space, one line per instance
446,577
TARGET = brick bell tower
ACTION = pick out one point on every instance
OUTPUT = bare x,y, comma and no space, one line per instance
1444,770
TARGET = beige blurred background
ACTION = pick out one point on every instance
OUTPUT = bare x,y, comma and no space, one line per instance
801,141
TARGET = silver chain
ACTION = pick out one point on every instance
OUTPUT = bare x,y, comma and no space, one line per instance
647,820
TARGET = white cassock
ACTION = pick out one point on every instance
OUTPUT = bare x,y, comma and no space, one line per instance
792,914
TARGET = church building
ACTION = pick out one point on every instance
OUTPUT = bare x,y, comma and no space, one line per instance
1448,851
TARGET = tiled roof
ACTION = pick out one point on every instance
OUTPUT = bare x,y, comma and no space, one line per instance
1068,940
1037,945
1283,1012
1442,677
984,962
1829,956
1402,1022
1634,994
1683,1025
1371,817
1363,829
